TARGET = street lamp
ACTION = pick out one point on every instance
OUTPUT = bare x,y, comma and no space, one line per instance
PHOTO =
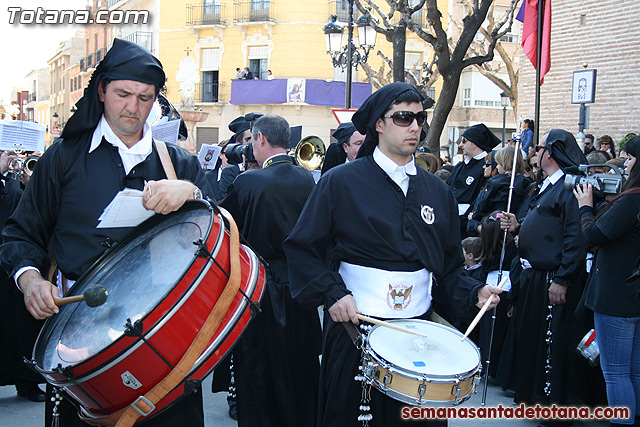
55,120
504,101
346,52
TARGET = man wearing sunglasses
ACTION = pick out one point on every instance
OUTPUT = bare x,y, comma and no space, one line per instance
467,177
373,235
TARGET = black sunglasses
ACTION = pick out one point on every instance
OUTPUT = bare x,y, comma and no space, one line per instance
405,118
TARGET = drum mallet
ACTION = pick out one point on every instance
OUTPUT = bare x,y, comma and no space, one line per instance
94,296
483,310
388,325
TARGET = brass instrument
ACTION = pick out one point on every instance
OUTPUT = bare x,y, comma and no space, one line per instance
310,152
19,166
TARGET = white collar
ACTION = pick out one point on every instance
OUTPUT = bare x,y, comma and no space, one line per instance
551,180
142,147
391,167
477,157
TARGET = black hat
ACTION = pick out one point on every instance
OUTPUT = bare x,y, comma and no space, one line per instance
632,146
124,61
238,126
373,108
344,132
481,136
564,149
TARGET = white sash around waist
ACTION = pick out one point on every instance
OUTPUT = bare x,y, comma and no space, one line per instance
388,294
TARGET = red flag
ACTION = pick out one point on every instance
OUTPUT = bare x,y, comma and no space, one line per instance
530,35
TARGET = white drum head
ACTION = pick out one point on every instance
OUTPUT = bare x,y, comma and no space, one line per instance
442,353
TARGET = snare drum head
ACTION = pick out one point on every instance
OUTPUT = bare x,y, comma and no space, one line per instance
137,275
442,353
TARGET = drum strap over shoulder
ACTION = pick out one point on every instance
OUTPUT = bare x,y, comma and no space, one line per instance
127,417
167,164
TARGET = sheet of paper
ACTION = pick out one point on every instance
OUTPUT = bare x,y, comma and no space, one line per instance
209,156
125,210
21,135
463,208
167,131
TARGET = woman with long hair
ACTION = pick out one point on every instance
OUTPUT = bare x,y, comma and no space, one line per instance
615,232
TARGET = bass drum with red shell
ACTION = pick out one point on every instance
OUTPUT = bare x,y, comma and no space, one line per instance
163,281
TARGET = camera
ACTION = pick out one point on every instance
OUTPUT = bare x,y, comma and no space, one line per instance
603,183
234,153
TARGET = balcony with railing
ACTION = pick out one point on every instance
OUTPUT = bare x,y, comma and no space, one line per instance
142,38
211,92
253,11
90,63
204,14
83,65
98,56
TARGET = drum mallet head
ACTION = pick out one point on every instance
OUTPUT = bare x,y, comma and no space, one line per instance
94,296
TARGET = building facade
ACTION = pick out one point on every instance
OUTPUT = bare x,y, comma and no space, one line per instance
594,34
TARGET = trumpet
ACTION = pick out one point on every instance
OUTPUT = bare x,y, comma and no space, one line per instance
310,152
20,167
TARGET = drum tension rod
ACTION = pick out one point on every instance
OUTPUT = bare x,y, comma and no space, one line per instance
203,252
135,330
66,371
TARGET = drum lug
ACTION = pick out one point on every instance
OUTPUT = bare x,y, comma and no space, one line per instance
67,372
192,386
203,251
133,330
422,389
455,391
388,378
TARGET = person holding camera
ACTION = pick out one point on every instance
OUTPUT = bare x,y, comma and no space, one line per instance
615,231
552,251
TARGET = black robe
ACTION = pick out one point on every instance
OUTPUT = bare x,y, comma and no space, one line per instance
357,214
496,195
552,241
276,363
68,191
18,329
466,181
335,156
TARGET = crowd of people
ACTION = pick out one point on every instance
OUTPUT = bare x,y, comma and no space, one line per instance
385,217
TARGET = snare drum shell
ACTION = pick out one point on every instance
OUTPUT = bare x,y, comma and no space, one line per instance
401,382
128,368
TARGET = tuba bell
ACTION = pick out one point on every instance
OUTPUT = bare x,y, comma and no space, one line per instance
310,152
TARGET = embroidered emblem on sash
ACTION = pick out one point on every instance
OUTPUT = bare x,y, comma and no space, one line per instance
470,180
427,214
399,297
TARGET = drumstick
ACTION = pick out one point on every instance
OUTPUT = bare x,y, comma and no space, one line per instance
483,310
94,296
388,325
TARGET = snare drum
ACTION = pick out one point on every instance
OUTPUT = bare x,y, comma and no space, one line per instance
163,281
415,370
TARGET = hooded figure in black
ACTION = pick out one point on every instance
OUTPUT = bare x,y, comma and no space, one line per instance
105,147
383,217
335,153
551,284
467,178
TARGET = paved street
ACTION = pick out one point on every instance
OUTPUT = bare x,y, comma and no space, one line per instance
16,411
